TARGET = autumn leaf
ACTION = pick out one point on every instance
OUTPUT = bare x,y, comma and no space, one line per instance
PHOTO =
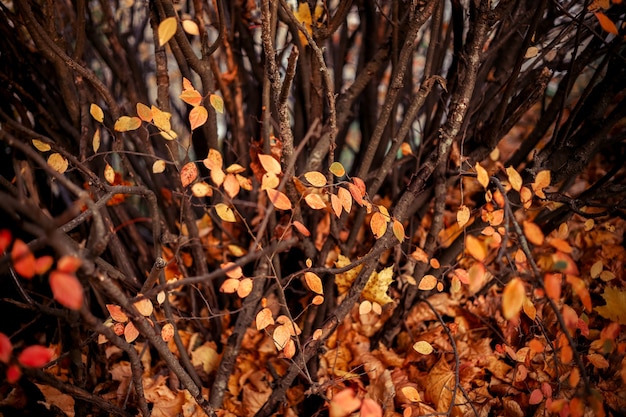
314,282
344,403
23,259
198,116
606,23
231,185
229,286
225,213
264,319
270,164
96,112
127,123
533,233
315,201
337,169
552,284
615,308
217,103
398,230
167,332
130,332
109,174
336,205
188,173
513,298
481,175
476,248
346,199
428,282
66,289
315,178
370,408
423,347
41,146
280,200
144,112
245,287
158,166
281,335
301,228
463,215
144,306
116,313
377,286
514,178
190,27
6,348
378,224
542,180
35,356
191,97
58,162
166,30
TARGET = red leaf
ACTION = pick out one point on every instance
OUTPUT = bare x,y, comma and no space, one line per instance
69,264
23,259
66,289
35,356
188,173
5,240
43,264
14,373
535,397
5,348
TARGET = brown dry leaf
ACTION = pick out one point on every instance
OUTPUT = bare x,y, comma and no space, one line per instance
513,298
56,398
440,385
165,402
206,357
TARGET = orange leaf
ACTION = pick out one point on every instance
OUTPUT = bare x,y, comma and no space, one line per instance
218,176
481,175
580,289
231,185
5,240
35,356
315,201
198,116
96,112
144,112
264,318
232,270
378,224
533,233
542,180
144,306
514,178
126,123
398,230
370,408
356,193
167,332
280,200
270,164
315,178
23,259
188,173
606,23
513,298
14,373
245,287
535,397
68,263
66,289
336,205
476,248
428,282
552,283
192,97
301,228
360,185
229,286
43,264
130,332
213,160
116,313
281,335
346,199
344,403
337,169
314,282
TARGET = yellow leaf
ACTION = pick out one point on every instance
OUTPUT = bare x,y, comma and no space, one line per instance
531,52
463,215
514,178
270,164
191,97
428,282
542,180
95,142
315,178
158,166
281,335
264,318
96,112
269,181
615,308
606,23
398,230
533,233
344,280
217,103
218,176
41,146
191,27
303,14
127,123
280,200
144,112
188,173
161,120
225,213
314,282
513,298
58,162
423,347
337,169
315,201
529,309
198,116
109,174
201,189
235,169
377,285
481,175
378,224
166,30
213,160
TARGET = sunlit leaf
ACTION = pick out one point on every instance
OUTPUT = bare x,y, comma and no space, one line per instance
130,332
360,184
481,175
315,201
245,287
378,224
377,286
188,173
280,336
270,164
278,199
337,169
41,146
264,319
317,300
344,403
335,204
231,270
158,166
58,162
428,282
35,356
356,194
190,27
411,392
398,230
96,112
533,233
615,308
315,178
529,309
127,123
513,298
144,112
217,103
197,117
463,215
167,332
606,23
531,52
346,199
235,169
116,313
229,286
161,120
144,306
231,185
192,97
423,347
109,174
43,264
314,282
225,213
218,177
515,179
167,29
66,289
